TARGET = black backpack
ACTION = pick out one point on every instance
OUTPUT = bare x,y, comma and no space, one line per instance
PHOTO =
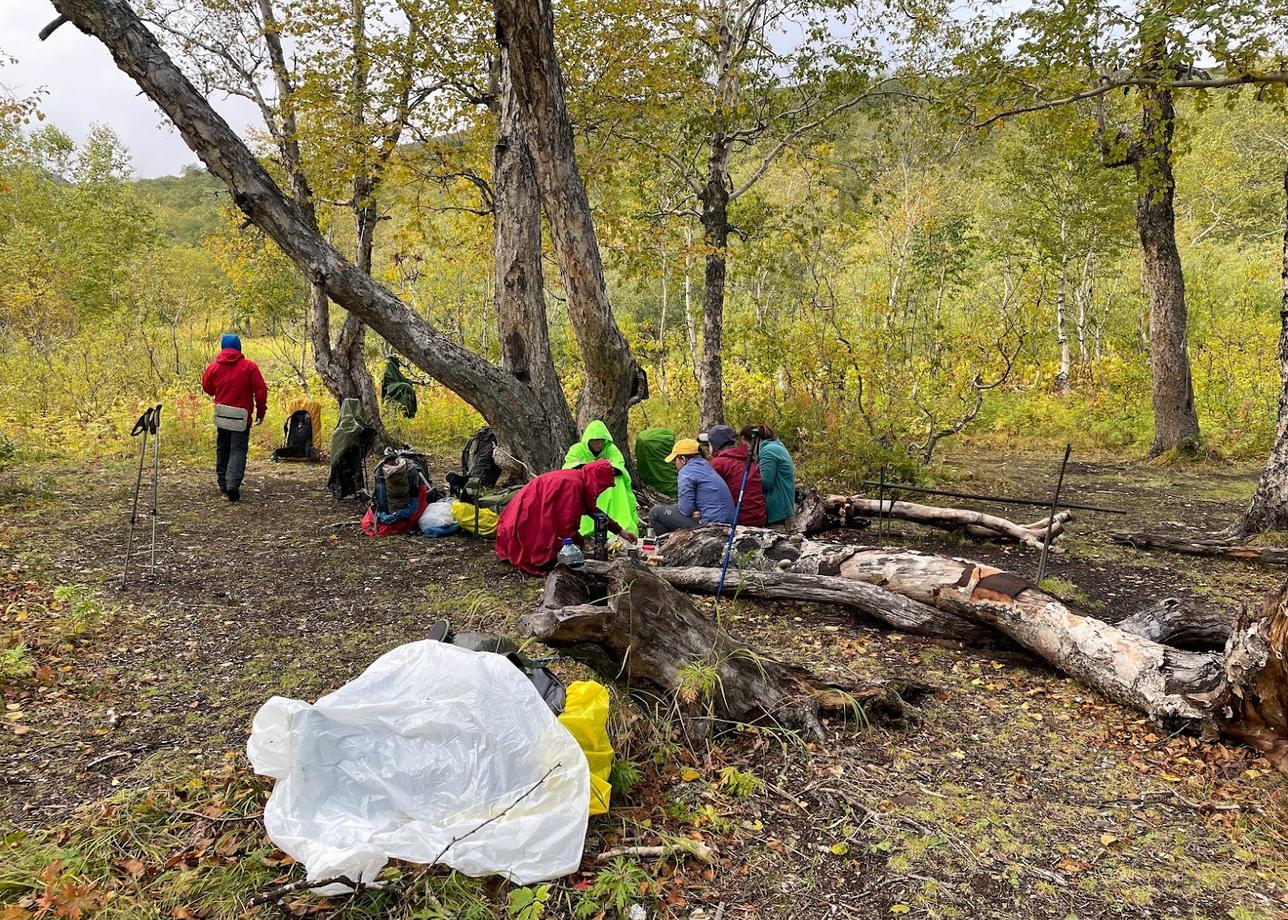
479,471
298,434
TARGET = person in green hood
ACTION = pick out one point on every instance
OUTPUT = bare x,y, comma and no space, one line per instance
618,502
651,449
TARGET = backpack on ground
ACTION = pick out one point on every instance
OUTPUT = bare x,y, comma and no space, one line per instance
350,443
297,433
401,491
479,470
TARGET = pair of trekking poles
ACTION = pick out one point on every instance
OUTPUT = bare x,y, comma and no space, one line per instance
757,435
149,426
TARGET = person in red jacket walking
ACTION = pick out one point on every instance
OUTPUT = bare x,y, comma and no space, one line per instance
236,384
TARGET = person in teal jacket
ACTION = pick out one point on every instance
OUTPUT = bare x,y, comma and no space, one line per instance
777,473
618,502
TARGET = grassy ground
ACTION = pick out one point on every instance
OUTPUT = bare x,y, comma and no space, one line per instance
124,790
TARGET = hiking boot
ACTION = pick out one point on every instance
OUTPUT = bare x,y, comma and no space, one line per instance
223,489
234,494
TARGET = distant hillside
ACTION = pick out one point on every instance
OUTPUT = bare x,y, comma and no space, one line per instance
188,205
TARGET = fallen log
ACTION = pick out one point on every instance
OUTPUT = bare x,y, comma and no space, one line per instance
902,613
1172,622
1241,689
627,622
819,513
1271,555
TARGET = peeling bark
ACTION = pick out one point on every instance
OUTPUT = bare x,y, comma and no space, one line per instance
1240,688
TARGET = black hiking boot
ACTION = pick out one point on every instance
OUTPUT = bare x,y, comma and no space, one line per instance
223,489
234,494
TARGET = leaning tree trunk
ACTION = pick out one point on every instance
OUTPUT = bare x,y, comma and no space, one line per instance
520,282
506,403
1268,509
629,624
1242,690
1176,424
715,235
614,380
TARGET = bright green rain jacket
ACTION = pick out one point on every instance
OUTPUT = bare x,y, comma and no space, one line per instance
619,501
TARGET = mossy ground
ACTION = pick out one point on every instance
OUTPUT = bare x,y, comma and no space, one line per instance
124,792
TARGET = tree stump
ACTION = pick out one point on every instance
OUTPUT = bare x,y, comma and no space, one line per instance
627,622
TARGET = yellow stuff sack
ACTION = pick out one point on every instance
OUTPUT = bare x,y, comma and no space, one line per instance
314,409
465,514
585,715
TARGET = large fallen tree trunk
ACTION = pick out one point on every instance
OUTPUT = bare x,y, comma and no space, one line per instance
1242,690
902,613
819,513
626,622
1272,555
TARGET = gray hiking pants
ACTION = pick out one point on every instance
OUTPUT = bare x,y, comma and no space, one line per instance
666,518
230,457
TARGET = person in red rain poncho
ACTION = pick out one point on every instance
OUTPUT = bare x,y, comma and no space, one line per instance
547,511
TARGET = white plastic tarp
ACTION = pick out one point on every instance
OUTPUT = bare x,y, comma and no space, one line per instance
429,744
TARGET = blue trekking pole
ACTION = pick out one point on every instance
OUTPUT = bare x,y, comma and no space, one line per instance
737,510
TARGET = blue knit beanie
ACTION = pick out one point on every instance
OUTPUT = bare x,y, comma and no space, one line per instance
230,340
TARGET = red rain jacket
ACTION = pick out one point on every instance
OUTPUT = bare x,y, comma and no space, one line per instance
547,511
729,464
234,380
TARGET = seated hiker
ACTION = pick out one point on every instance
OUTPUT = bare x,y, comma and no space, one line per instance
777,472
704,497
729,459
651,448
617,502
547,511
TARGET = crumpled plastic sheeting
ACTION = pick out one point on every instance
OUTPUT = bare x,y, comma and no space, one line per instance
427,745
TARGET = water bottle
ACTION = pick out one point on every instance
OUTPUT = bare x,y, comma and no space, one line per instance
570,554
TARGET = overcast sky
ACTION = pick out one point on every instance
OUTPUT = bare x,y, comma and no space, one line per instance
83,87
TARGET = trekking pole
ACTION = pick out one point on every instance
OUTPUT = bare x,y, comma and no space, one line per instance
156,473
733,528
140,427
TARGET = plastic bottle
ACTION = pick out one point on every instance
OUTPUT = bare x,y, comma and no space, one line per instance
570,554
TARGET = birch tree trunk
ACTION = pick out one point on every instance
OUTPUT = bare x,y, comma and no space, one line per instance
715,236
520,280
1176,423
1268,509
614,381
1241,690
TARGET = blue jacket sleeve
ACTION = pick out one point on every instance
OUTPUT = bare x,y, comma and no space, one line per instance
688,494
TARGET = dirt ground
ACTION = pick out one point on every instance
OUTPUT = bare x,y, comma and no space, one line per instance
1019,793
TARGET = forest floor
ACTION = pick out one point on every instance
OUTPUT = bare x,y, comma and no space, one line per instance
125,791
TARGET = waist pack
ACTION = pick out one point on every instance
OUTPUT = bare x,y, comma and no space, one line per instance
231,418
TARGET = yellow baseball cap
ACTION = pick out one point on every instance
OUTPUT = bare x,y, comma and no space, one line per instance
685,447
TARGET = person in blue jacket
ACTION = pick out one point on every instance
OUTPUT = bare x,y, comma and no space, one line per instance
704,497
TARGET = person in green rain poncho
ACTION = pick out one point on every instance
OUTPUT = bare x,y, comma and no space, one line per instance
619,501
651,449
